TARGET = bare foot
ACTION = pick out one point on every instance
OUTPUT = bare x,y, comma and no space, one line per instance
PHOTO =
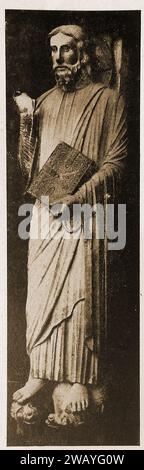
31,387
76,399
60,392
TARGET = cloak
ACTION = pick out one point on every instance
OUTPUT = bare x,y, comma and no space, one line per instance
93,120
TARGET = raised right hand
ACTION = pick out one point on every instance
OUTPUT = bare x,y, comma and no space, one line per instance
24,103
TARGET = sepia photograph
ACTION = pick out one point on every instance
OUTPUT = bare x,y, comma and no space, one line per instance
73,199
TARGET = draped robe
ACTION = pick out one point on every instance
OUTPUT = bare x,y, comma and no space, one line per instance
67,302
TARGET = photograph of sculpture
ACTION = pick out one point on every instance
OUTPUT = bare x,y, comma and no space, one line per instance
73,84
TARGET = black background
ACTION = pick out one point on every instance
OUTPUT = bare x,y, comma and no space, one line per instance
29,69
131,457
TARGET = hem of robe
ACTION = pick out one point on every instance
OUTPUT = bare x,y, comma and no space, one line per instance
64,356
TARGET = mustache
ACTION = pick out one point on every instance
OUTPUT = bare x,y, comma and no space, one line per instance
61,67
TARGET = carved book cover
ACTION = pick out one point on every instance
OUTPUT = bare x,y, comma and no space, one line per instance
63,173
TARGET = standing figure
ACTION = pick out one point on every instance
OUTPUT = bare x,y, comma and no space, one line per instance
66,307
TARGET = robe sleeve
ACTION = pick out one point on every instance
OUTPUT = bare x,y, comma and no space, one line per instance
113,152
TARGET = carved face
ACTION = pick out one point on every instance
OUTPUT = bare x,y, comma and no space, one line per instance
64,51
65,59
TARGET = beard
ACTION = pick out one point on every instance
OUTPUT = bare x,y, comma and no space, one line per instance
66,77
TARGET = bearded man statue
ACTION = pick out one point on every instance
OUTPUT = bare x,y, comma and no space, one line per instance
67,300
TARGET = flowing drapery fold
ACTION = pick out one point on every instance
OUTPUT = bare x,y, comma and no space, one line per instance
62,273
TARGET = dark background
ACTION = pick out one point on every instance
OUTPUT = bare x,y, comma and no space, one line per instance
29,69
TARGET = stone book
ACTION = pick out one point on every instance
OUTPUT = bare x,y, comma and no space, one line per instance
63,173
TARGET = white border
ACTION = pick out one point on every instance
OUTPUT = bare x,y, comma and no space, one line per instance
95,5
